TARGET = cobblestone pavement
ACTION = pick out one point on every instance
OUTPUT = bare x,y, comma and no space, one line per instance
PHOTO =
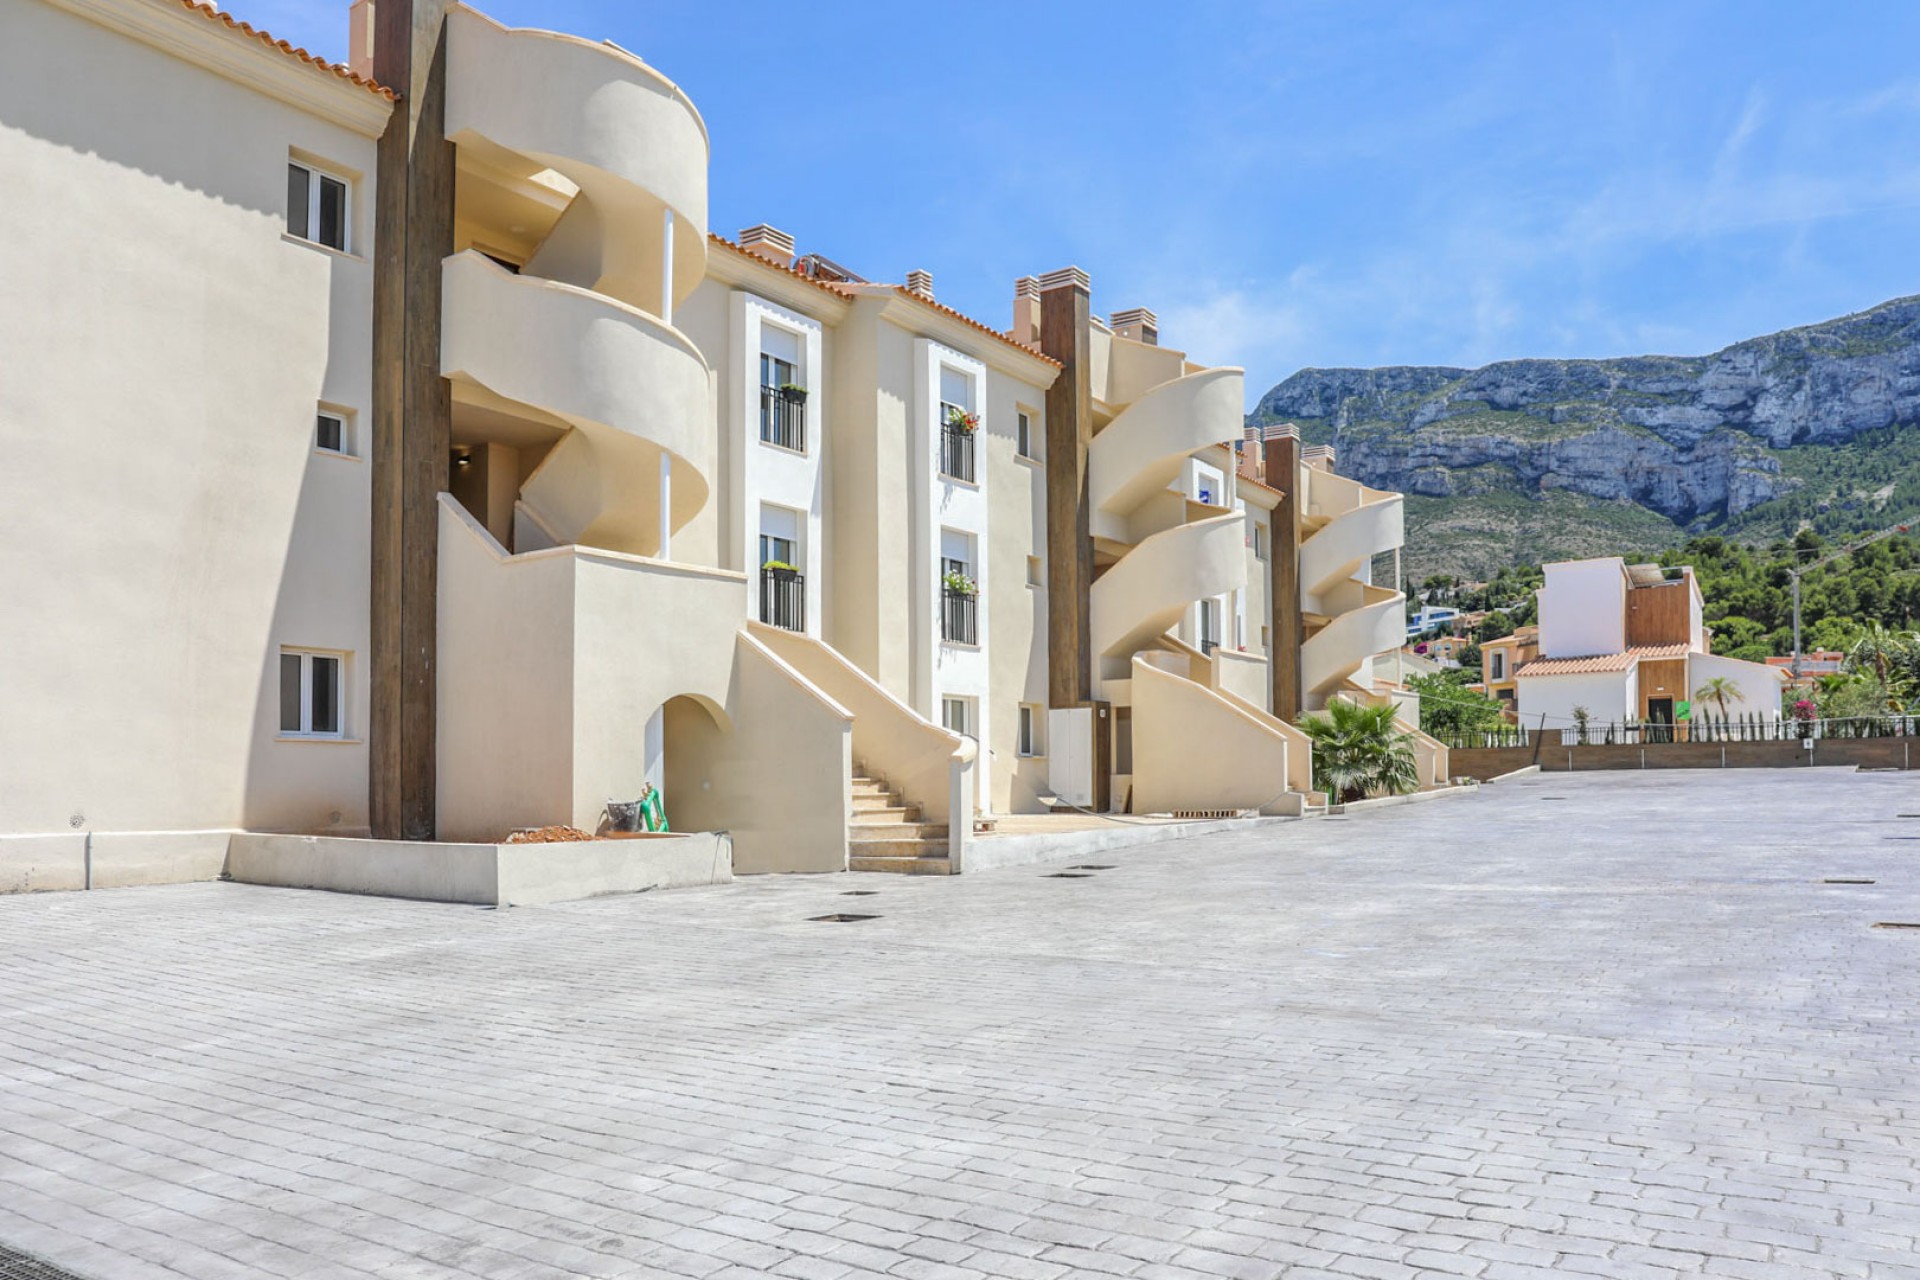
1597,1025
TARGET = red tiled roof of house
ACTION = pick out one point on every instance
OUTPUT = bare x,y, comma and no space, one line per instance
212,14
825,286
963,318
1600,662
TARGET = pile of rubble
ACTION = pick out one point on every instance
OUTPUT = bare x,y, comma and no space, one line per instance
549,835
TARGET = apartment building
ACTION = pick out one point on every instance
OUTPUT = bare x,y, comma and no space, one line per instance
1627,644
477,484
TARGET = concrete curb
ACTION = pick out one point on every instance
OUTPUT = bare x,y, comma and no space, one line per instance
995,853
1516,773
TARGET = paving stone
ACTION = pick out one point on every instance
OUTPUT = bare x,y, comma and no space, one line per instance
1596,1025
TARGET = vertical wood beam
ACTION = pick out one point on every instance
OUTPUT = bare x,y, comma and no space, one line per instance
1281,463
412,413
1066,335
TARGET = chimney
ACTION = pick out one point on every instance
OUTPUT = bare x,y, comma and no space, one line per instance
1026,312
1318,456
360,38
1252,463
920,282
1139,324
771,243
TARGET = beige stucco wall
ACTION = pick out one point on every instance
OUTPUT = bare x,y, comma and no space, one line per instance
1016,491
168,524
776,774
1194,749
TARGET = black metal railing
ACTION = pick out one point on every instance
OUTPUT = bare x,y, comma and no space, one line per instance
956,452
783,417
959,616
1702,728
783,598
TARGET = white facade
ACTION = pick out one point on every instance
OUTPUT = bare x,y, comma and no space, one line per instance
782,490
171,524
1583,608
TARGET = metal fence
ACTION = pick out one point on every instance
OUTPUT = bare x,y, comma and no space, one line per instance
1636,733
783,417
958,616
783,598
956,453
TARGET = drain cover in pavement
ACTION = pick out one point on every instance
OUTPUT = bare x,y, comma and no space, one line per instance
1895,924
859,893
1069,875
15,1265
1840,881
842,917
1093,866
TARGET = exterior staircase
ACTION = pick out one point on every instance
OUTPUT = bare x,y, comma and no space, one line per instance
887,834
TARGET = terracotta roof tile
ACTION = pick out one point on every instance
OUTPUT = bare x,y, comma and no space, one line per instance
212,14
963,318
825,286
1600,662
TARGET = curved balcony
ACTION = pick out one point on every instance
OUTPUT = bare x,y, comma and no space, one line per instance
1144,594
1349,642
1141,451
1340,547
627,136
633,389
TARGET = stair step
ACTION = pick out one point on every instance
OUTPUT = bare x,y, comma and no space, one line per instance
888,801
902,829
903,866
896,848
891,817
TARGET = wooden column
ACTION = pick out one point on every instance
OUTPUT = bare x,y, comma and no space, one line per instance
1066,335
412,412
1281,462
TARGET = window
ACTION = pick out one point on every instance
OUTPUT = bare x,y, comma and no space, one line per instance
779,536
956,714
1260,541
310,694
332,432
1036,572
1029,732
1023,435
317,208
1209,625
1497,664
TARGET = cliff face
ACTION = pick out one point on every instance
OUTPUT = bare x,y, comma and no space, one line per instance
1697,440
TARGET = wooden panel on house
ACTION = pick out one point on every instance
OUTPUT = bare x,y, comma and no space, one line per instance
1659,615
1663,678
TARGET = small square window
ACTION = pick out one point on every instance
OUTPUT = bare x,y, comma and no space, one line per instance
318,206
957,715
311,694
1023,439
332,432
1260,542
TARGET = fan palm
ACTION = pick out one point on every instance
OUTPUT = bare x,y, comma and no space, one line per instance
1718,692
1360,751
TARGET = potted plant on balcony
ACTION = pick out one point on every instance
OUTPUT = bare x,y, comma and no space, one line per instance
793,393
958,584
778,568
960,420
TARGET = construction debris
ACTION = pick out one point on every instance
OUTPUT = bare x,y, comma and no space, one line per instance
549,835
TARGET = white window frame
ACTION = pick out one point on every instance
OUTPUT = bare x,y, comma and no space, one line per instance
306,729
1259,541
1496,664
1028,728
345,420
948,704
315,172
1023,439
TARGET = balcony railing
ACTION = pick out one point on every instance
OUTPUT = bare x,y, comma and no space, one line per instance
956,452
959,616
783,598
783,417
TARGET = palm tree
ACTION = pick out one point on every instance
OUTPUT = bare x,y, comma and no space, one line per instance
1358,751
1718,692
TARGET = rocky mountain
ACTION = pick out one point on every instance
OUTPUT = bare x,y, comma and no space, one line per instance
1533,459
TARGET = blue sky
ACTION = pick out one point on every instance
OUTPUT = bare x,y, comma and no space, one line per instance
1325,184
